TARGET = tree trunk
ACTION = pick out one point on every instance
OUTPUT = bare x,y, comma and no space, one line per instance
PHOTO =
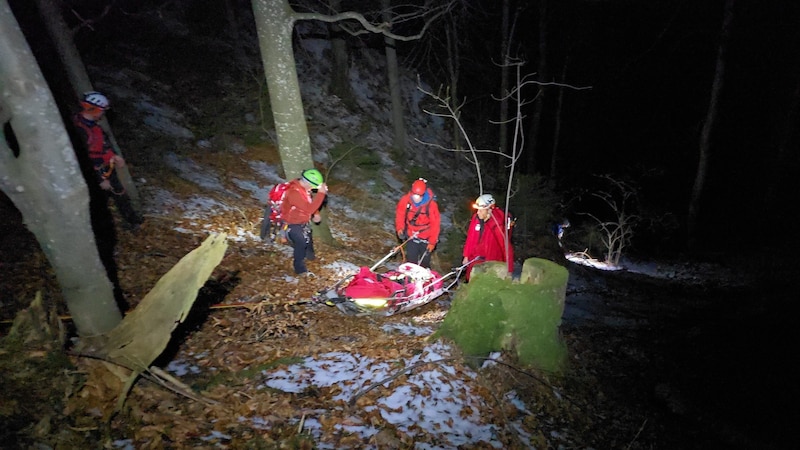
781,165
393,73
504,56
61,36
711,117
453,69
340,65
557,125
536,121
274,24
232,30
44,182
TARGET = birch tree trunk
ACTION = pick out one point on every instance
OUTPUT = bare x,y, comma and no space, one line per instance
274,24
393,73
61,36
708,125
43,179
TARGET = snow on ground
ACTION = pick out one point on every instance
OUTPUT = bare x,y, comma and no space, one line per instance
433,398
685,272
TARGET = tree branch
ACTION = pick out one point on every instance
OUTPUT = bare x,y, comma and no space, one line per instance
382,28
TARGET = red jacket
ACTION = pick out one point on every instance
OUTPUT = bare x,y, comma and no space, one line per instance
488,239
423,218
298,206
100,151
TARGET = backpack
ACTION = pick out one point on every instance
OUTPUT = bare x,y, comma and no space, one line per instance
275,200
272,225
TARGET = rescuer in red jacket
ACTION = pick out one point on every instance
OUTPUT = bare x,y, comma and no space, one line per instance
417,218
104,161
298,208
486,235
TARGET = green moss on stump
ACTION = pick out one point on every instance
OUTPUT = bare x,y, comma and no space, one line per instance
494,313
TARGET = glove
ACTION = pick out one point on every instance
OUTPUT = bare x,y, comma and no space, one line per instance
402,236
431,246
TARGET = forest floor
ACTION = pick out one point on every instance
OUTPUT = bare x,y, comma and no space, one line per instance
654,362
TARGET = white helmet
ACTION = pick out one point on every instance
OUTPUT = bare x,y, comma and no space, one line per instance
484,201
97,99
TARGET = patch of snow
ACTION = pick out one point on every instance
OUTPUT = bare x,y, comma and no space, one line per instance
407,329
181,368
191,171
267,171
258,192
432,399
163,119
342,269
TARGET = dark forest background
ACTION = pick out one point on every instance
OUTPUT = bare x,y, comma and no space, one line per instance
648,67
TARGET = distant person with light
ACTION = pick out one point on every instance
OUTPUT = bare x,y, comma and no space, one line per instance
558,230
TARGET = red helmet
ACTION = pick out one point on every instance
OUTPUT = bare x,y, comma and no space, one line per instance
419,187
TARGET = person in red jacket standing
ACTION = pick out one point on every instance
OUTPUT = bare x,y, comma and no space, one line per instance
297,210
486,235
104,161
417,218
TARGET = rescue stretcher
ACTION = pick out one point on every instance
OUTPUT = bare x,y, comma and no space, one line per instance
391,292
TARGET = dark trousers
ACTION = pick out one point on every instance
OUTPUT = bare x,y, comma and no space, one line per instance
303,243
123,202
417,252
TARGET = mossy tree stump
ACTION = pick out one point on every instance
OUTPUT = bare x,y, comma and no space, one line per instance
493,312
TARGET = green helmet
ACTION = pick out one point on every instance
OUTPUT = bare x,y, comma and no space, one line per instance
313,177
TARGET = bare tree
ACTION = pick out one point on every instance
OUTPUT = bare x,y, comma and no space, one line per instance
780,166
340,85
450,37
557,127
708,125
447,108
393,74
505,42
616,233
543,71
42,178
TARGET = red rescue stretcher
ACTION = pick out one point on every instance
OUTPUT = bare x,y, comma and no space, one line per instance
392,292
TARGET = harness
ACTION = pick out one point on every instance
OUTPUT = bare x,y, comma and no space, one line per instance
98,150
423,210
413,220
